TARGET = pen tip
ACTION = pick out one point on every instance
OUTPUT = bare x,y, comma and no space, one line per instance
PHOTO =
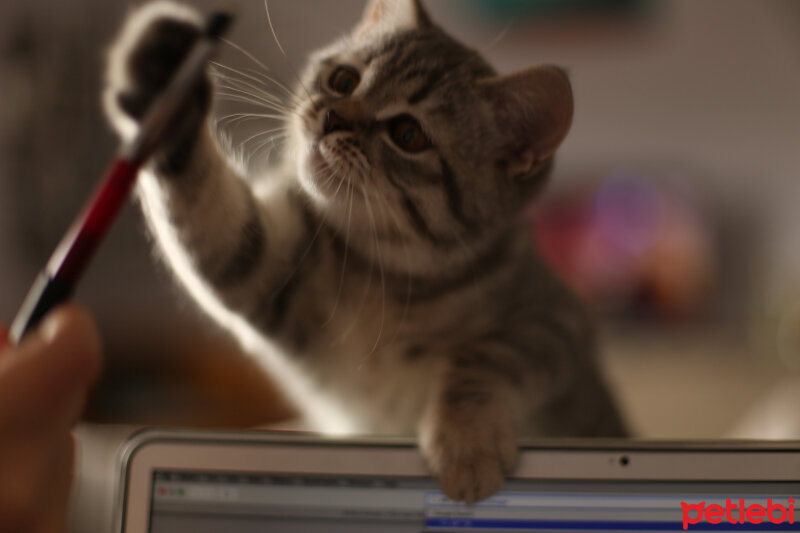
218,23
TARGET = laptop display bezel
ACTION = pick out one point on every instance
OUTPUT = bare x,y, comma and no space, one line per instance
579,460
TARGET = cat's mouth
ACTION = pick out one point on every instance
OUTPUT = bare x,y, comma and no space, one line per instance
323,161
331,160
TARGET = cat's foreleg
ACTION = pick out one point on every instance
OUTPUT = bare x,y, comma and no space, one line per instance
205,217
468,432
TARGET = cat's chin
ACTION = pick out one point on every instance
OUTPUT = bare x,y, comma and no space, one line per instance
317,176
318,167
319,172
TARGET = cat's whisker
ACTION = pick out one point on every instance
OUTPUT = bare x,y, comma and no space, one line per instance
257,88
269,143
262,94
234,118
238,118
247,54
303,257
260,64
256,77
331,173
361,161
346,332
261,134
294,100
344,260
500,36
244,99
233,97
357,315
356,157
379,256
352,186
283,52
220,67
341,183
269,100
276,140
251,98
279,133
384,203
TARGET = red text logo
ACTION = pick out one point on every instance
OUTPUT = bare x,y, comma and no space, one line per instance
738,512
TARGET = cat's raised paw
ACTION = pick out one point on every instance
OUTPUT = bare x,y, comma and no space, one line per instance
153,42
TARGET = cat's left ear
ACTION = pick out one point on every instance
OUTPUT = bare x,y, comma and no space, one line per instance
392,16
533,110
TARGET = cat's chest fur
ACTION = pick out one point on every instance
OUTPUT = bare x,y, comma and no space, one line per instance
364,343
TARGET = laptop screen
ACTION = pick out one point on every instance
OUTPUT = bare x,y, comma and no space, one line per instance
204,502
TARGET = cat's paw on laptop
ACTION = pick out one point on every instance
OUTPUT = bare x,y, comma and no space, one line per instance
471,451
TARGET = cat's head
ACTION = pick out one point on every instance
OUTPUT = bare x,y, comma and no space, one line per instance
404,129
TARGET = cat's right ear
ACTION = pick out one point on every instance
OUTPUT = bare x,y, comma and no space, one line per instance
389,16
533,112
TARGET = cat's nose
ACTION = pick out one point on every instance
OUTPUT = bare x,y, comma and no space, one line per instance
334,122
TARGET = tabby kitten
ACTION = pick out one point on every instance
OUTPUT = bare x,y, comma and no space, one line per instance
383,272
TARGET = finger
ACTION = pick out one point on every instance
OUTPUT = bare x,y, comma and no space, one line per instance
72,332
49,373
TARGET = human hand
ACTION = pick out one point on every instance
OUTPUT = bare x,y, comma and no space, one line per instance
43,387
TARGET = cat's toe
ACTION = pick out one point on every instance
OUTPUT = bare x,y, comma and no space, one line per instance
473,479
153,60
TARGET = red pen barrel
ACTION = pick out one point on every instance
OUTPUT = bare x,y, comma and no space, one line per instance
55,284
57,281
76,248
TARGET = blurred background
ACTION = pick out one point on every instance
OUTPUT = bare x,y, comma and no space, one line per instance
672,209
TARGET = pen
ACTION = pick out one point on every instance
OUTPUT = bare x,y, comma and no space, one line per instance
56,282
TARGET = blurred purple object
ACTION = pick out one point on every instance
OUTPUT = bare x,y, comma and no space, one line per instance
631,244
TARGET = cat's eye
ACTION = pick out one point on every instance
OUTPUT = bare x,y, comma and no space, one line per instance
407,133
344,80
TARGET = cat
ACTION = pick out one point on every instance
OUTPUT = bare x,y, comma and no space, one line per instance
383,271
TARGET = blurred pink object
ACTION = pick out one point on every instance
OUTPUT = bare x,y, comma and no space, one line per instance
630,244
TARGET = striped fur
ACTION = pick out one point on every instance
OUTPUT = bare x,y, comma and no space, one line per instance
393,292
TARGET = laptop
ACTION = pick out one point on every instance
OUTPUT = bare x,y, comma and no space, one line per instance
247,482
